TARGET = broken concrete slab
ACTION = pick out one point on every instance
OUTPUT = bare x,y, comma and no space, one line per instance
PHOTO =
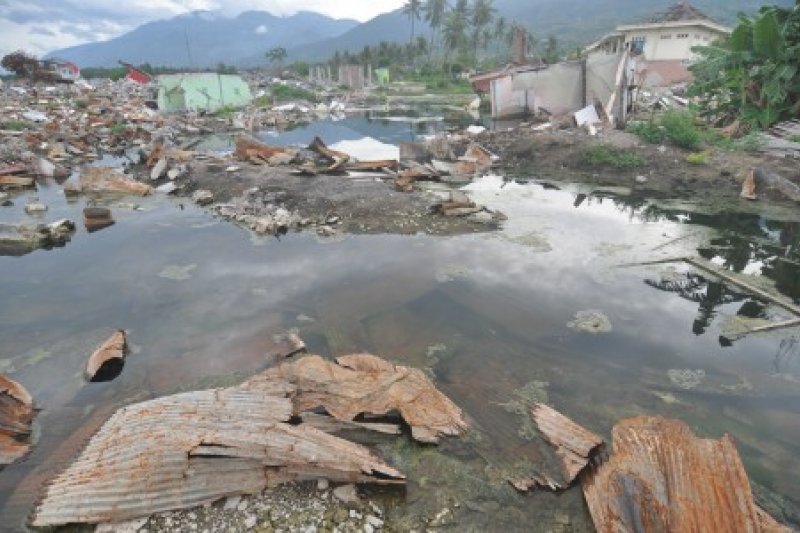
107,361
661,477
105,180
194,448
365,384
203,197
18,240
16,416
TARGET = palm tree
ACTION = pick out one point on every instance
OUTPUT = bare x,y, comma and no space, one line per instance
413,9
482,15
435,11
454,34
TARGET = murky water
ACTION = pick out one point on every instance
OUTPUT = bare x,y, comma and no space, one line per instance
486,315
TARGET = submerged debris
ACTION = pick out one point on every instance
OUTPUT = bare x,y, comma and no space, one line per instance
16,416
19,240
107,361
591,321
686,378
661,477
97,218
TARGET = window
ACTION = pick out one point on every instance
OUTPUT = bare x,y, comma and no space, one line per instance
683,36
667,36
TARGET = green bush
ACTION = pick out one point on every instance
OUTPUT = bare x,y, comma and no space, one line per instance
14,125
675,127
282,93
608,156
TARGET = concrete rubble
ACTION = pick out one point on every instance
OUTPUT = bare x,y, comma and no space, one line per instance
195,448
22,239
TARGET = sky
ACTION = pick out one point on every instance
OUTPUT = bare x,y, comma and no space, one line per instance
40,26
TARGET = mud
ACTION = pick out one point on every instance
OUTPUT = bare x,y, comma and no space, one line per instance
664,171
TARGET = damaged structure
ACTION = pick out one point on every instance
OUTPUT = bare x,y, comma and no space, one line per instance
201,92
194,448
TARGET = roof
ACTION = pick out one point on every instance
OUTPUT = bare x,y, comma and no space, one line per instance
680,12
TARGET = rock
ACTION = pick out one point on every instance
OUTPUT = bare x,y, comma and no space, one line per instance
250,522
322,484
326,231
22,240
167,188
641,179
264,225
374,521
177,172
34,208
159,169
203,197
346,494
232,502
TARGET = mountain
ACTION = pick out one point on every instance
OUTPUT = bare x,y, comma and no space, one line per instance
573,22
203,39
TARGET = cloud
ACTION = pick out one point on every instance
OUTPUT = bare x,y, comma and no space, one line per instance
43,25
261,30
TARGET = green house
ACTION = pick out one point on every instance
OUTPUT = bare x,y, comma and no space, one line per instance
201,92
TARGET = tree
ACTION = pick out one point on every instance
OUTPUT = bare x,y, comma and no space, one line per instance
435,11
482,14
551,50
754,75
21,63
277,55
454,34
413,9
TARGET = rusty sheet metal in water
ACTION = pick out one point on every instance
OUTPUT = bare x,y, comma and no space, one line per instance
16,416
365,384
194,448
111,352
575,446
661,477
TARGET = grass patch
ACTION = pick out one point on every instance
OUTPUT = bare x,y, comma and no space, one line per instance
698,158
226,111
676,127
282,93
118,129
15,125
794,138
262,101
751,142
608,156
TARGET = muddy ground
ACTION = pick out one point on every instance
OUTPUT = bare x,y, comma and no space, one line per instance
561,156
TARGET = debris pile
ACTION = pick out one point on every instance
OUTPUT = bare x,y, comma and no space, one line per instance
194,448
19,240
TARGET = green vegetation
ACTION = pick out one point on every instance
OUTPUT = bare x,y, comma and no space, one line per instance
794,138
118,129
283,93
14,125
262,101
225,111
277,55
609,156
753,76
698,158
676,127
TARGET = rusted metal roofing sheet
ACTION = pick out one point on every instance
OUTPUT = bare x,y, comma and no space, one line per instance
111,352
193,448
16,415
574,445
365,384
661,477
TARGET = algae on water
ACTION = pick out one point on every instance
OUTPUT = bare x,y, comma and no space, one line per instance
591,321
521,402
177,272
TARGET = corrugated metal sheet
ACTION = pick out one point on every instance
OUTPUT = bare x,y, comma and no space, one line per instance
661,477
366,384
16,415
190,449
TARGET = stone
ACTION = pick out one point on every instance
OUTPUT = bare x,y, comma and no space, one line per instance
250,522
641,179
322,484
35,208
346,494
159,169
203,197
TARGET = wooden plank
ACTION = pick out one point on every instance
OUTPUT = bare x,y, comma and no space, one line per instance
16,416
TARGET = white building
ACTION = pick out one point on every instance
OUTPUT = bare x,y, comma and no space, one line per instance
664,42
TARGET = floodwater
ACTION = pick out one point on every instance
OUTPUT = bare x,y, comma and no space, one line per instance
488,316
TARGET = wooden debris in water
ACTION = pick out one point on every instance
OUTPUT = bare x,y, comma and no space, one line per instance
16,415
661,477
365,384
106,180
337,159
194,448
108,358
575,446
249,149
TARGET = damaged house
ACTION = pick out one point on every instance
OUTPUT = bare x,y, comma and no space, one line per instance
655,53
663,44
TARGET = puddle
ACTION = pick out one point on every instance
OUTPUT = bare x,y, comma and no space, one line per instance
486,315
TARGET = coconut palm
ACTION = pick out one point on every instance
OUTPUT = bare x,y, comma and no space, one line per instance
482,14
435,11
413,9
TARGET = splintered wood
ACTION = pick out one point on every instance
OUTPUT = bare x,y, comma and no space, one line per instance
366,384
575,446
16,415
248,149
194,448
661,477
